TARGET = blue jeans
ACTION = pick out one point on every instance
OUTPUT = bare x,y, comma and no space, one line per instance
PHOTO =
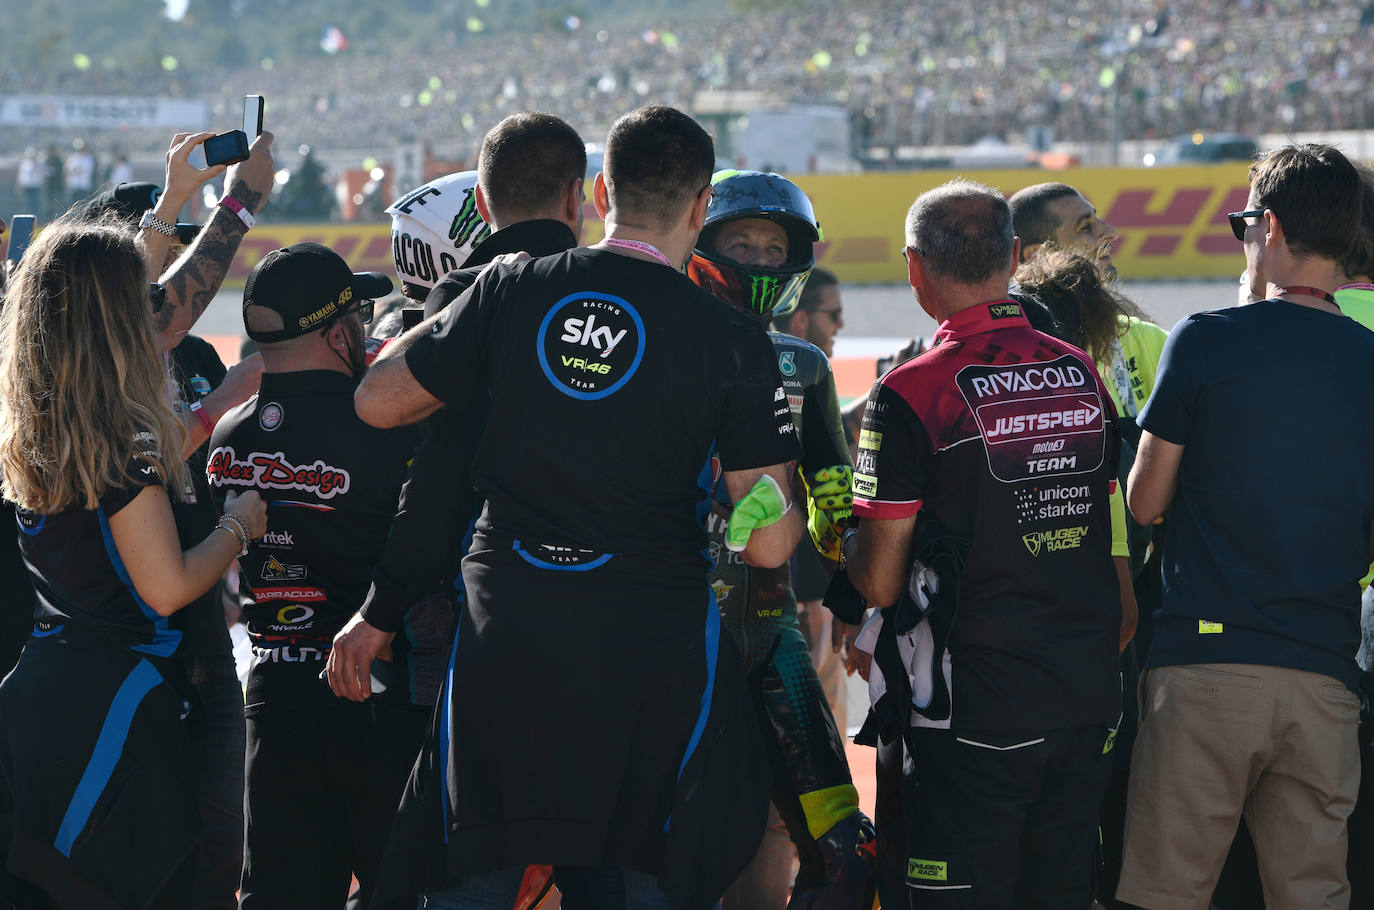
584,888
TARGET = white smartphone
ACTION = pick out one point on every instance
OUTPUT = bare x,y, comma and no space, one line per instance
252,116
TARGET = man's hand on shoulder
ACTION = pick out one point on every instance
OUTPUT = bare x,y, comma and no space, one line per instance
356,646
508,259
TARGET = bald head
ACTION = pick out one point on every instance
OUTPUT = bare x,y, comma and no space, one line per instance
962,232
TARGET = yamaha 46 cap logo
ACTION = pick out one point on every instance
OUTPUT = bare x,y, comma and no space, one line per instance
590,344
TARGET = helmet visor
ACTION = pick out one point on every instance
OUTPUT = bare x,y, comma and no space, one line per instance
758,291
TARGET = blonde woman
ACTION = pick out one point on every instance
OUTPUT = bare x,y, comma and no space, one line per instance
94,776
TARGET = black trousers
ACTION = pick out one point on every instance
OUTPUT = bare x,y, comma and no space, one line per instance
1001,820
323,784
217,749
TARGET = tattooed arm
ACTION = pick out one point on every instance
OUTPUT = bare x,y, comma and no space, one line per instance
194,279
179,185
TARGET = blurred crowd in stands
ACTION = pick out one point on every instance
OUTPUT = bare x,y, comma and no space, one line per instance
937,73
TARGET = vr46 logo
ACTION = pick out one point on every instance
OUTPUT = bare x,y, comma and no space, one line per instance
582,363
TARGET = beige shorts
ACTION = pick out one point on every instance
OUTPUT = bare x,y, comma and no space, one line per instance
1219,740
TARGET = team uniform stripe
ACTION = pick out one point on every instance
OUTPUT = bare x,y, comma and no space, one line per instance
713,625
109,746
542,564
886,508
165,638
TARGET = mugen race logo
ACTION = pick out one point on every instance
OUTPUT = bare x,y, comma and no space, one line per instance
590,344
1037,419
1053,541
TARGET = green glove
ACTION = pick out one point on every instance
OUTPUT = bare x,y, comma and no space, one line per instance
760,507
831,488
829,507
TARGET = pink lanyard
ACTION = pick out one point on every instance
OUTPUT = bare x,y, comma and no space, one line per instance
638,246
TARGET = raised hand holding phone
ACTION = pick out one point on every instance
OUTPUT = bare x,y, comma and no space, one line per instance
233,146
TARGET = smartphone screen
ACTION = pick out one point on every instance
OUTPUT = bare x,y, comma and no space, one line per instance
252,116
21,233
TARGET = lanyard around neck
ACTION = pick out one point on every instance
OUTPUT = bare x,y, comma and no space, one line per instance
639,246
1305,290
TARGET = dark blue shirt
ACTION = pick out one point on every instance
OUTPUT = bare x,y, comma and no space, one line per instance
1269,530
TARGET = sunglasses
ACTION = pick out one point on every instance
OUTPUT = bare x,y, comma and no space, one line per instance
1238,223
157,294
363,309
833,314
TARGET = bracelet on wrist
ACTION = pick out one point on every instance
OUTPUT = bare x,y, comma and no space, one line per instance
150,220
239,209
232,533
201,415
235,527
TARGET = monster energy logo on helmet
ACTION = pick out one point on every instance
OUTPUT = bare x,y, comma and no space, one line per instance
763,292
466,221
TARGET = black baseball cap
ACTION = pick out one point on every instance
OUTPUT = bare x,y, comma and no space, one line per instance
308,285
129,201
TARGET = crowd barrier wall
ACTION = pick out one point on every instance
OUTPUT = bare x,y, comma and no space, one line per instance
1172,221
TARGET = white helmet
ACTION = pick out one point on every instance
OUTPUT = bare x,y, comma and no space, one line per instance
435,228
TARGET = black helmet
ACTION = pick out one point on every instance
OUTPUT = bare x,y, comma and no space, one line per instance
768,293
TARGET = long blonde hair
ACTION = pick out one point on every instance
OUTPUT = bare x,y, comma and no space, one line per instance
83,385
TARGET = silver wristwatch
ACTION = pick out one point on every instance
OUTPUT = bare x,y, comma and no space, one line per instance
152,221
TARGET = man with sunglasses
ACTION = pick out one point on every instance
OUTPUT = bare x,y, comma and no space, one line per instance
324,774
819,314
1249,701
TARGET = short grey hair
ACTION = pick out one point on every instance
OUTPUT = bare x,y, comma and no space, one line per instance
961,230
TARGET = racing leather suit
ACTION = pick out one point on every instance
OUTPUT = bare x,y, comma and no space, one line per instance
811,785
